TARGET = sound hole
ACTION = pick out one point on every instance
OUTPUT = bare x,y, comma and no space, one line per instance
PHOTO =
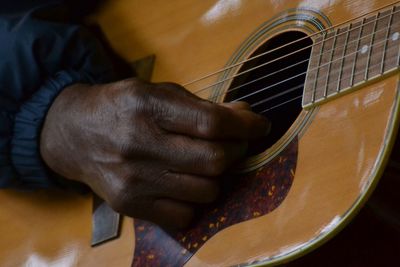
274,90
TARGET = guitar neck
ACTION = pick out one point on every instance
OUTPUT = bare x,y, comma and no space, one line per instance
347,57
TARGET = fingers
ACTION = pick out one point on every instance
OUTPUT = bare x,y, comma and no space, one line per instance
167,159
165,212
188,188
184,114
165,198
199,157
237,105
171,213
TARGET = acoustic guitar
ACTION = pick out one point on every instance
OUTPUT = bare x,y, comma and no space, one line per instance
324,72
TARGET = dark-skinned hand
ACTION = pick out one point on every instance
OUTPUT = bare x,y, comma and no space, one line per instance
152,151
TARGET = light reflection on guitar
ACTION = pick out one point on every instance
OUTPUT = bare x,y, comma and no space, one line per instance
342,140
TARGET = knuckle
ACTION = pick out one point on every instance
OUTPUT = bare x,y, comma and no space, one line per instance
161,180
128,97
178,180
216,159
126,147
208,122
131,85
216,153
136,92
137,96
121,196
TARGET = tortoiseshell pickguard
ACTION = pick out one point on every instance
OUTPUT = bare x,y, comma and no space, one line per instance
245,197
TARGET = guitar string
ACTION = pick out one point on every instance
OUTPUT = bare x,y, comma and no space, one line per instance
276,96
261,78
285,56
279,58
336,71
306,37
305,72
285,68
301,85
281,104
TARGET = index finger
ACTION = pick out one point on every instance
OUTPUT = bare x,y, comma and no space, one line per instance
202,119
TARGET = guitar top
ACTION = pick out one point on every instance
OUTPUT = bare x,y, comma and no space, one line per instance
324,73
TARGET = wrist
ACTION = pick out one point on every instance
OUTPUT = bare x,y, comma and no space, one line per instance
25,145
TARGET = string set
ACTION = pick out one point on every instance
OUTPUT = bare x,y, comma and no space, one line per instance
299,40
285,45
286,68
299,75
325,31
301,86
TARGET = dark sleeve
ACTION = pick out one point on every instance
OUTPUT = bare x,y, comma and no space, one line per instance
38,59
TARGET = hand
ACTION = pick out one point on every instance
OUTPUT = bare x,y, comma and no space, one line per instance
152,151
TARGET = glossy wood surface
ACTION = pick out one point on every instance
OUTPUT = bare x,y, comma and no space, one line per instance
348,137
54,229
346,145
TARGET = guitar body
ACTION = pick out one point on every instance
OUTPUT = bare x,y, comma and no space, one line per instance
331,156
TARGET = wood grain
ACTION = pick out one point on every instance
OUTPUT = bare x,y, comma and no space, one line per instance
339,151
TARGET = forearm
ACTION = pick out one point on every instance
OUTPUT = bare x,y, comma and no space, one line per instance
39,58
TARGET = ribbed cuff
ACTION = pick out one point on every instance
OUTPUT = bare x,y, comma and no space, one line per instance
7,172
25,151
